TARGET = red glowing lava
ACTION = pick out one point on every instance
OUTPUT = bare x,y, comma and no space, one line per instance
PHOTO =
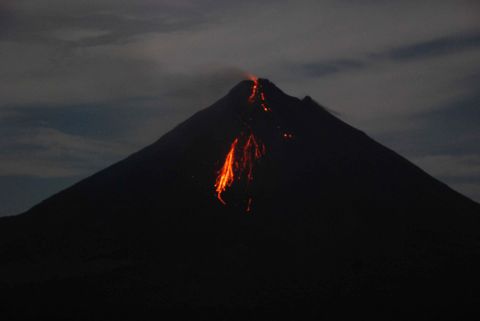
239,163
251,151
257,94
253,95
226,175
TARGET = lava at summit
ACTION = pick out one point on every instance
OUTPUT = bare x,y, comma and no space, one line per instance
244,151
257,94
252,97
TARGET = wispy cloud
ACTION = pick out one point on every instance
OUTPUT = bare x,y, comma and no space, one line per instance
327,68
435,47
46,152
432,48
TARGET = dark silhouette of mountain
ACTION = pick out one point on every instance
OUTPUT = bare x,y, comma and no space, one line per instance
339,226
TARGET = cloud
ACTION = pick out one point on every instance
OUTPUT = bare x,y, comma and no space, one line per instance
89,23
327,68
436,47
451,128
433,48
46,152
79,35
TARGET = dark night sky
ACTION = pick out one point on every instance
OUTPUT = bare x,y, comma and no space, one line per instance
85,83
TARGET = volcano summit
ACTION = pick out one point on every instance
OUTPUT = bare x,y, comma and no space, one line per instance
261,206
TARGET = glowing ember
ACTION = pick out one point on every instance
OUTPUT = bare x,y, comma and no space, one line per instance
238,168
249,205
251,152
226,175
253,95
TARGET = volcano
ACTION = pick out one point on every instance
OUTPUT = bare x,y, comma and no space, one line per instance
262,206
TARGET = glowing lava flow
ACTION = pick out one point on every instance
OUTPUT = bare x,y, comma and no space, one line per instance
251,151
253,95
237,168
243,153
226,175
258,94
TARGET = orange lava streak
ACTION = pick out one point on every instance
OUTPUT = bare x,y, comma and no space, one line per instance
251,152
233,168
251,99
257,90
226,175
